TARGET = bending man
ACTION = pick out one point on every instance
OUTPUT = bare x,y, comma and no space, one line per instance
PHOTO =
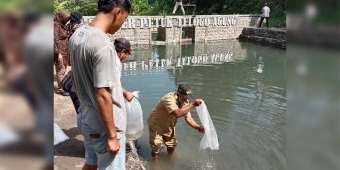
164,116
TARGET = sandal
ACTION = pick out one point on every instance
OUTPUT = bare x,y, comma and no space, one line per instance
62,92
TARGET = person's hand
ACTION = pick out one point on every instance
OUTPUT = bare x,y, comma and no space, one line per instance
113,146
200,129
60,56
128,96
60,60
197,102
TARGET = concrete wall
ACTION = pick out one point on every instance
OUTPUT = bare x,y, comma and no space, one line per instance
135,36
137,29
226,32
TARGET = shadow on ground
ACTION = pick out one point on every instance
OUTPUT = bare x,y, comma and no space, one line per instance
72,147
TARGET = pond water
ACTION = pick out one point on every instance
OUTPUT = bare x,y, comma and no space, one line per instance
244,88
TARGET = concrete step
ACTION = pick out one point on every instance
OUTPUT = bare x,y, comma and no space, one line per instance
266,32
281,43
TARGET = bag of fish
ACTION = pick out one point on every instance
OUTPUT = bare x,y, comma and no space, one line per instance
209,139
134,114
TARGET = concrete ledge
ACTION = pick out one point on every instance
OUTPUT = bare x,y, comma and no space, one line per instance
274,37
265,41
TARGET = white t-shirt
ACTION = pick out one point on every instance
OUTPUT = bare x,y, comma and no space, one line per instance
265,11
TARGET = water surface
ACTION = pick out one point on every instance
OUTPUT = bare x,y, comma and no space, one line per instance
244,88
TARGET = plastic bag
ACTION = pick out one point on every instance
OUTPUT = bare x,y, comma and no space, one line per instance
59,135
209,139
134,114
8,136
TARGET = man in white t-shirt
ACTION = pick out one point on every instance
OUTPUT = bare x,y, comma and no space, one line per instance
265,15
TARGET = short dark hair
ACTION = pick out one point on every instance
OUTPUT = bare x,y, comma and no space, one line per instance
122,44
76,17
184,89
106,6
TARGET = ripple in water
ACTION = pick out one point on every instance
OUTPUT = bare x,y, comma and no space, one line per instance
207,161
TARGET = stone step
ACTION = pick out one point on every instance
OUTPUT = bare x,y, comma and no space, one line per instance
281,43
266,32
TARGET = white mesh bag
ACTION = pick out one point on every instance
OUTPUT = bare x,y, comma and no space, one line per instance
209,139
59,135
134,114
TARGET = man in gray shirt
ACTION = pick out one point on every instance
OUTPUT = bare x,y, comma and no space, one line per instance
96,74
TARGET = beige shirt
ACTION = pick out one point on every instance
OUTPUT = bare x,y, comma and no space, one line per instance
161,119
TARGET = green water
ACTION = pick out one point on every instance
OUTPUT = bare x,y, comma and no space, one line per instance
244,88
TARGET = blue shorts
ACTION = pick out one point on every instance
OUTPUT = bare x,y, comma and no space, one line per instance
96,150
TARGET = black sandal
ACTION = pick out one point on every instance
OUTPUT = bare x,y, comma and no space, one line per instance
62,92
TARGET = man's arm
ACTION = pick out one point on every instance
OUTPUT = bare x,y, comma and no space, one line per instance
104,104
184,110
193,124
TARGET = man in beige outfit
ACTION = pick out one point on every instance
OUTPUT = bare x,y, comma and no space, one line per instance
164,116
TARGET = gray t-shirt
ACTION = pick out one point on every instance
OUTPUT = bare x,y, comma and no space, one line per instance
95,64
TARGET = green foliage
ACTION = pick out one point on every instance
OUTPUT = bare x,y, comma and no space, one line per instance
140,7
86,7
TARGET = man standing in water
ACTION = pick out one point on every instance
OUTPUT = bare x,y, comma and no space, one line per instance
96,71
164,116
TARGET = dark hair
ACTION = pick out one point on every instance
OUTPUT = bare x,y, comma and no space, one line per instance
29,19
106,6
122,44
76,17
184,89
118,47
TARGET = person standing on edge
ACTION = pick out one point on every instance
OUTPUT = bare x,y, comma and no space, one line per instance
61,58
75,21
67,83
178,2
96,73
163,118
265,15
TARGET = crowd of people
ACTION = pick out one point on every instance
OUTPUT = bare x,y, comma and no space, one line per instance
94,85
96,90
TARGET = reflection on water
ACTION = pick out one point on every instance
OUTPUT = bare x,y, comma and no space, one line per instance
243,86
314,125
